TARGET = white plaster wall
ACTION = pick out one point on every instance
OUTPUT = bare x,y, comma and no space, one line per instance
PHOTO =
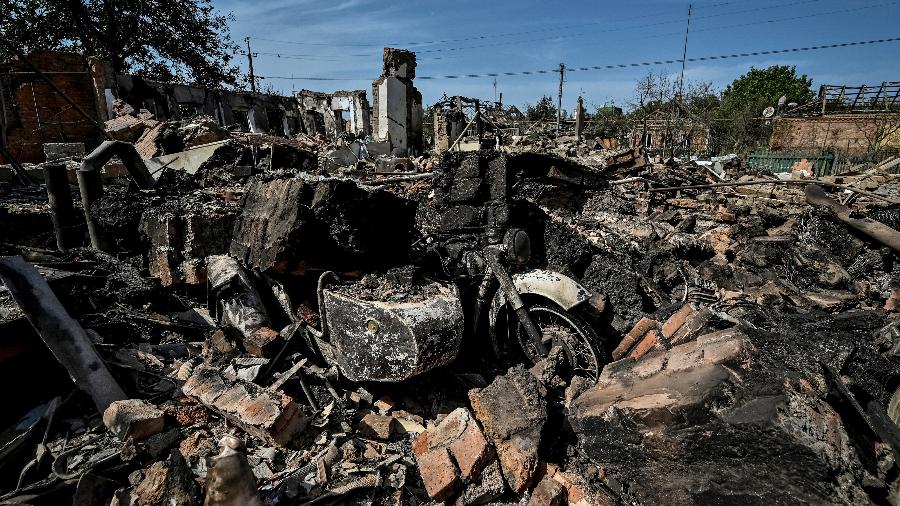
392,109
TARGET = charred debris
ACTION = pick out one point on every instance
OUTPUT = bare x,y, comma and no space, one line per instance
298,321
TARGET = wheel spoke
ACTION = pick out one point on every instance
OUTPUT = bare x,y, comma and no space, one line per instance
559,330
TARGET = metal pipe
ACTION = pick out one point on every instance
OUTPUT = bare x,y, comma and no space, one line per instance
515,301
67,340
874,229
129,156
91,188
62,210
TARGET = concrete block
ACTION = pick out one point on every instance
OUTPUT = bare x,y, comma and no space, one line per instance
486,487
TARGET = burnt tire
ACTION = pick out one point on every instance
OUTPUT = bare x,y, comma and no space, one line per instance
584,350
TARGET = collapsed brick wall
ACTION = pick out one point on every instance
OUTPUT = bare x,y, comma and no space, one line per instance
35,114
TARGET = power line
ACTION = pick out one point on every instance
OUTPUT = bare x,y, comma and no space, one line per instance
577,35
294,78
463,39
625,65
312,57
542,30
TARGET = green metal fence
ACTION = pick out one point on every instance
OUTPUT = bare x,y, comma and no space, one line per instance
782,161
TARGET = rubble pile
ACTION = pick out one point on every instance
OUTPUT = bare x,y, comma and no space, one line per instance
266,328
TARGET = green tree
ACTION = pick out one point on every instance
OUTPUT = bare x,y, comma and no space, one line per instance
543,110
609,122
180,40
738,127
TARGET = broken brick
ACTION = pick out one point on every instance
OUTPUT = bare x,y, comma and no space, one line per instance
385,404
639,330
133,419
263,342
185,414
676,321
376,426
124,128
646,344
512,411
678,384
146,145
266,414
458,432
692,324
439,473
549,492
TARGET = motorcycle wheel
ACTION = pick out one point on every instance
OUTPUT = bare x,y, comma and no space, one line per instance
583,348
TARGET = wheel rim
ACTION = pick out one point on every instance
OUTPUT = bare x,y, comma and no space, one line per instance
893,409
559,328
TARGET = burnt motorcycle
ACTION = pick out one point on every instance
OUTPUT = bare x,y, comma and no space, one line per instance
472,292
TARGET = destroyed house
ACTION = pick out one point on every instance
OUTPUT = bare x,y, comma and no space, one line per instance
852,121
467,124
334,114
670,128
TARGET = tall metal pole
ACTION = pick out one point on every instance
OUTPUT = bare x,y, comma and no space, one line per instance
687,32
562,74
680,98
250,60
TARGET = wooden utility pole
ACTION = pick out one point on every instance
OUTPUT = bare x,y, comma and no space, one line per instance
250,60
562,76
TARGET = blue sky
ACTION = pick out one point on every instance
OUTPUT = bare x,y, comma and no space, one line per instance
342,39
